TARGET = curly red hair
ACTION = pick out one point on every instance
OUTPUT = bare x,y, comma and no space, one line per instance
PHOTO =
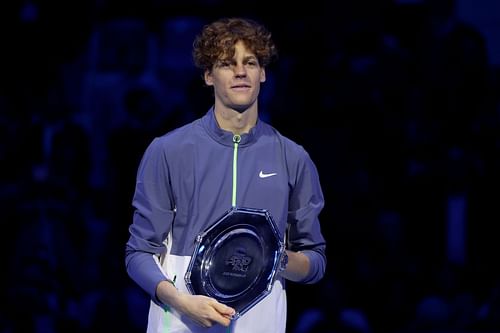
216,42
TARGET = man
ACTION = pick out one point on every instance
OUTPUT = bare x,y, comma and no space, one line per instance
228,158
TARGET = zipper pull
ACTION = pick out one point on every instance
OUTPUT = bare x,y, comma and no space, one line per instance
236,138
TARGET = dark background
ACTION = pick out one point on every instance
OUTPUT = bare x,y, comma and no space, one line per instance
397,102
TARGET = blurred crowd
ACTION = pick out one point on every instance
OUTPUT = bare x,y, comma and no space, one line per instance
397,102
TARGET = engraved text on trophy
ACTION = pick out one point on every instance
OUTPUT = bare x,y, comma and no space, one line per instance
239,262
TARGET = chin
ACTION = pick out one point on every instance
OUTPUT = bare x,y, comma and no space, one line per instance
240,109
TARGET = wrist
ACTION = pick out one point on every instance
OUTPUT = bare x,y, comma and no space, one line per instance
167,292
283,261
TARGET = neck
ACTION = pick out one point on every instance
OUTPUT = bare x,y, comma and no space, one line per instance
234,121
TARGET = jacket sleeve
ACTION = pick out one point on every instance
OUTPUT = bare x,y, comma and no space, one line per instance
152,220
305,205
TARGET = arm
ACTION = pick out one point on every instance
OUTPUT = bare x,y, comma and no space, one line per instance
152,220
305,242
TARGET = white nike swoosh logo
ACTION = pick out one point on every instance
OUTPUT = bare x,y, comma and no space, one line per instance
265,175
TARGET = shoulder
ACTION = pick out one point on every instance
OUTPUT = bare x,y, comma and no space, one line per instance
170,144
291,147
175,137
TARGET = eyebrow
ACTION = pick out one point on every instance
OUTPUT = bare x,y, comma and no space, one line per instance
245,59
250,57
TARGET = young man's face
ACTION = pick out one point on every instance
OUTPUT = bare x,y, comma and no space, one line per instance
236,81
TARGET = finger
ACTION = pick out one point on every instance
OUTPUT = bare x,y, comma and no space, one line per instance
222,313
207,323
224,309
224,321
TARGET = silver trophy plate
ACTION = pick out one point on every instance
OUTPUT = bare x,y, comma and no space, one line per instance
236,259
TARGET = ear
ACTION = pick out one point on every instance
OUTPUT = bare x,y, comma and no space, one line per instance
262,75
209,81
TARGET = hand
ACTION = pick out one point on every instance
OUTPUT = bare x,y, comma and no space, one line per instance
203,310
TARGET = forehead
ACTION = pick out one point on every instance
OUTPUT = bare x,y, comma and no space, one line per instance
238,49
242,47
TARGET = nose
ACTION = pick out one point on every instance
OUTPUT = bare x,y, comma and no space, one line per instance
240,70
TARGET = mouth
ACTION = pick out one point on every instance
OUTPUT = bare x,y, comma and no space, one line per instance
241,86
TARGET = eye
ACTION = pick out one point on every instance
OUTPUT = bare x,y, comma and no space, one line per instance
223,63
252,62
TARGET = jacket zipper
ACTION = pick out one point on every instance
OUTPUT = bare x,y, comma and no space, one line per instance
236,142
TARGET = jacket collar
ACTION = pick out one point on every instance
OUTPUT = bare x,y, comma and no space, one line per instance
225,137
